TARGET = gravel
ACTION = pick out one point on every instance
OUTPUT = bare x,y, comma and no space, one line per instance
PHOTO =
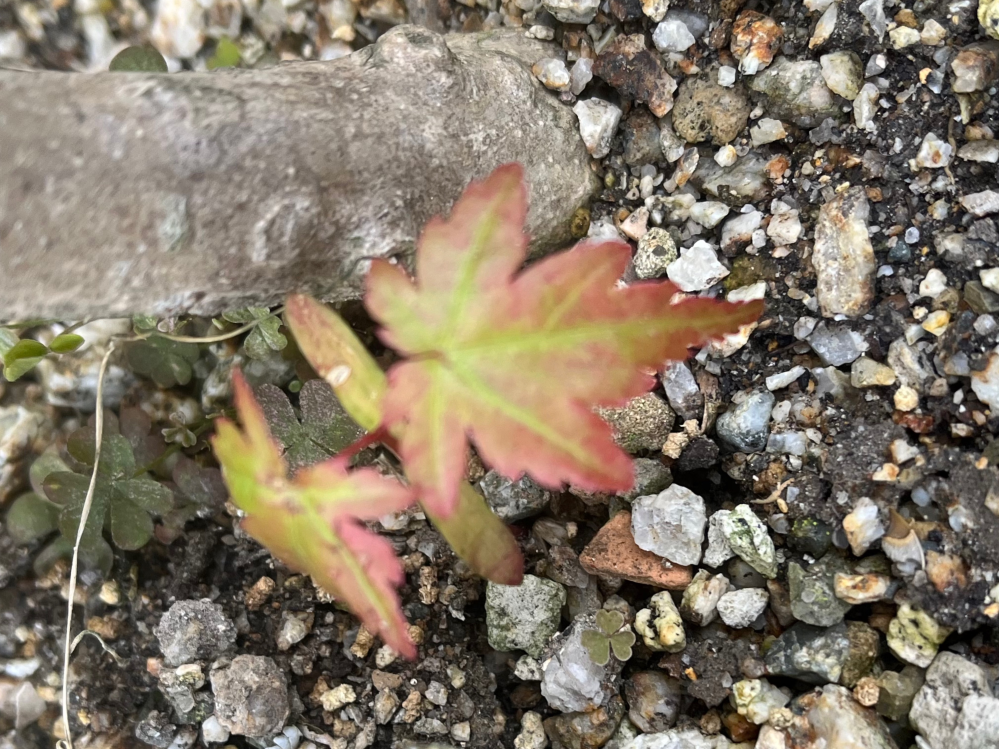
251,696
806,154
194,630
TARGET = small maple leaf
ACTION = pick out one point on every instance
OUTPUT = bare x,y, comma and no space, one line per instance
475,533
313,521
517,361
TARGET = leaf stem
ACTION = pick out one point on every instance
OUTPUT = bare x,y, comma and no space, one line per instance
75,564
171,450
215,338
381,434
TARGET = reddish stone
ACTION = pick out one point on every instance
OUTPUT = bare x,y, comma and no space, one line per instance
614,553
637,73
919,423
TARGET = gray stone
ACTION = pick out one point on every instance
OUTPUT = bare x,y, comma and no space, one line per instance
653,700
756,699
911,367
977,725
180,686
186,191
956,701
580,75
676,738
656,250
562,566
897,690
213,732
843,73
586,729
523,617
788,443
843,256
835,720
874,12
700,599
697,268
935,153
985,383
642,424
651,477
20,703
981,203
865,106
598,121
295,626
672,145
572,682
572,11
813,593
672,35
251,696
740,608
681,390
705,110
156,730
532,732
513,500
670,524
718,551
744,181
746,425
553,73
738,231
22,430
767,130
194,630
796,91
843,653
640,137
749,538
975,67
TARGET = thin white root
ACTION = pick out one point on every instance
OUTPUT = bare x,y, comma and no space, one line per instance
70,643
107,648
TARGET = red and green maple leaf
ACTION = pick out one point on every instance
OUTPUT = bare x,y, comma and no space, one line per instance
312,522
516,360
475,533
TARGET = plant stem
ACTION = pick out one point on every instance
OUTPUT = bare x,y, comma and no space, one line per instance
171,450
74,566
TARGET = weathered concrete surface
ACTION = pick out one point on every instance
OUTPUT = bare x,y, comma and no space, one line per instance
197,192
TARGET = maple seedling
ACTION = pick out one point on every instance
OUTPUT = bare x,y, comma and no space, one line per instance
313,521
516,360
513,360
611,635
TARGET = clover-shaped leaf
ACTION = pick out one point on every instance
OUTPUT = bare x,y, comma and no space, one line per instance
199,486
124,503
266,336
611,635
324,430
31,517
165,362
